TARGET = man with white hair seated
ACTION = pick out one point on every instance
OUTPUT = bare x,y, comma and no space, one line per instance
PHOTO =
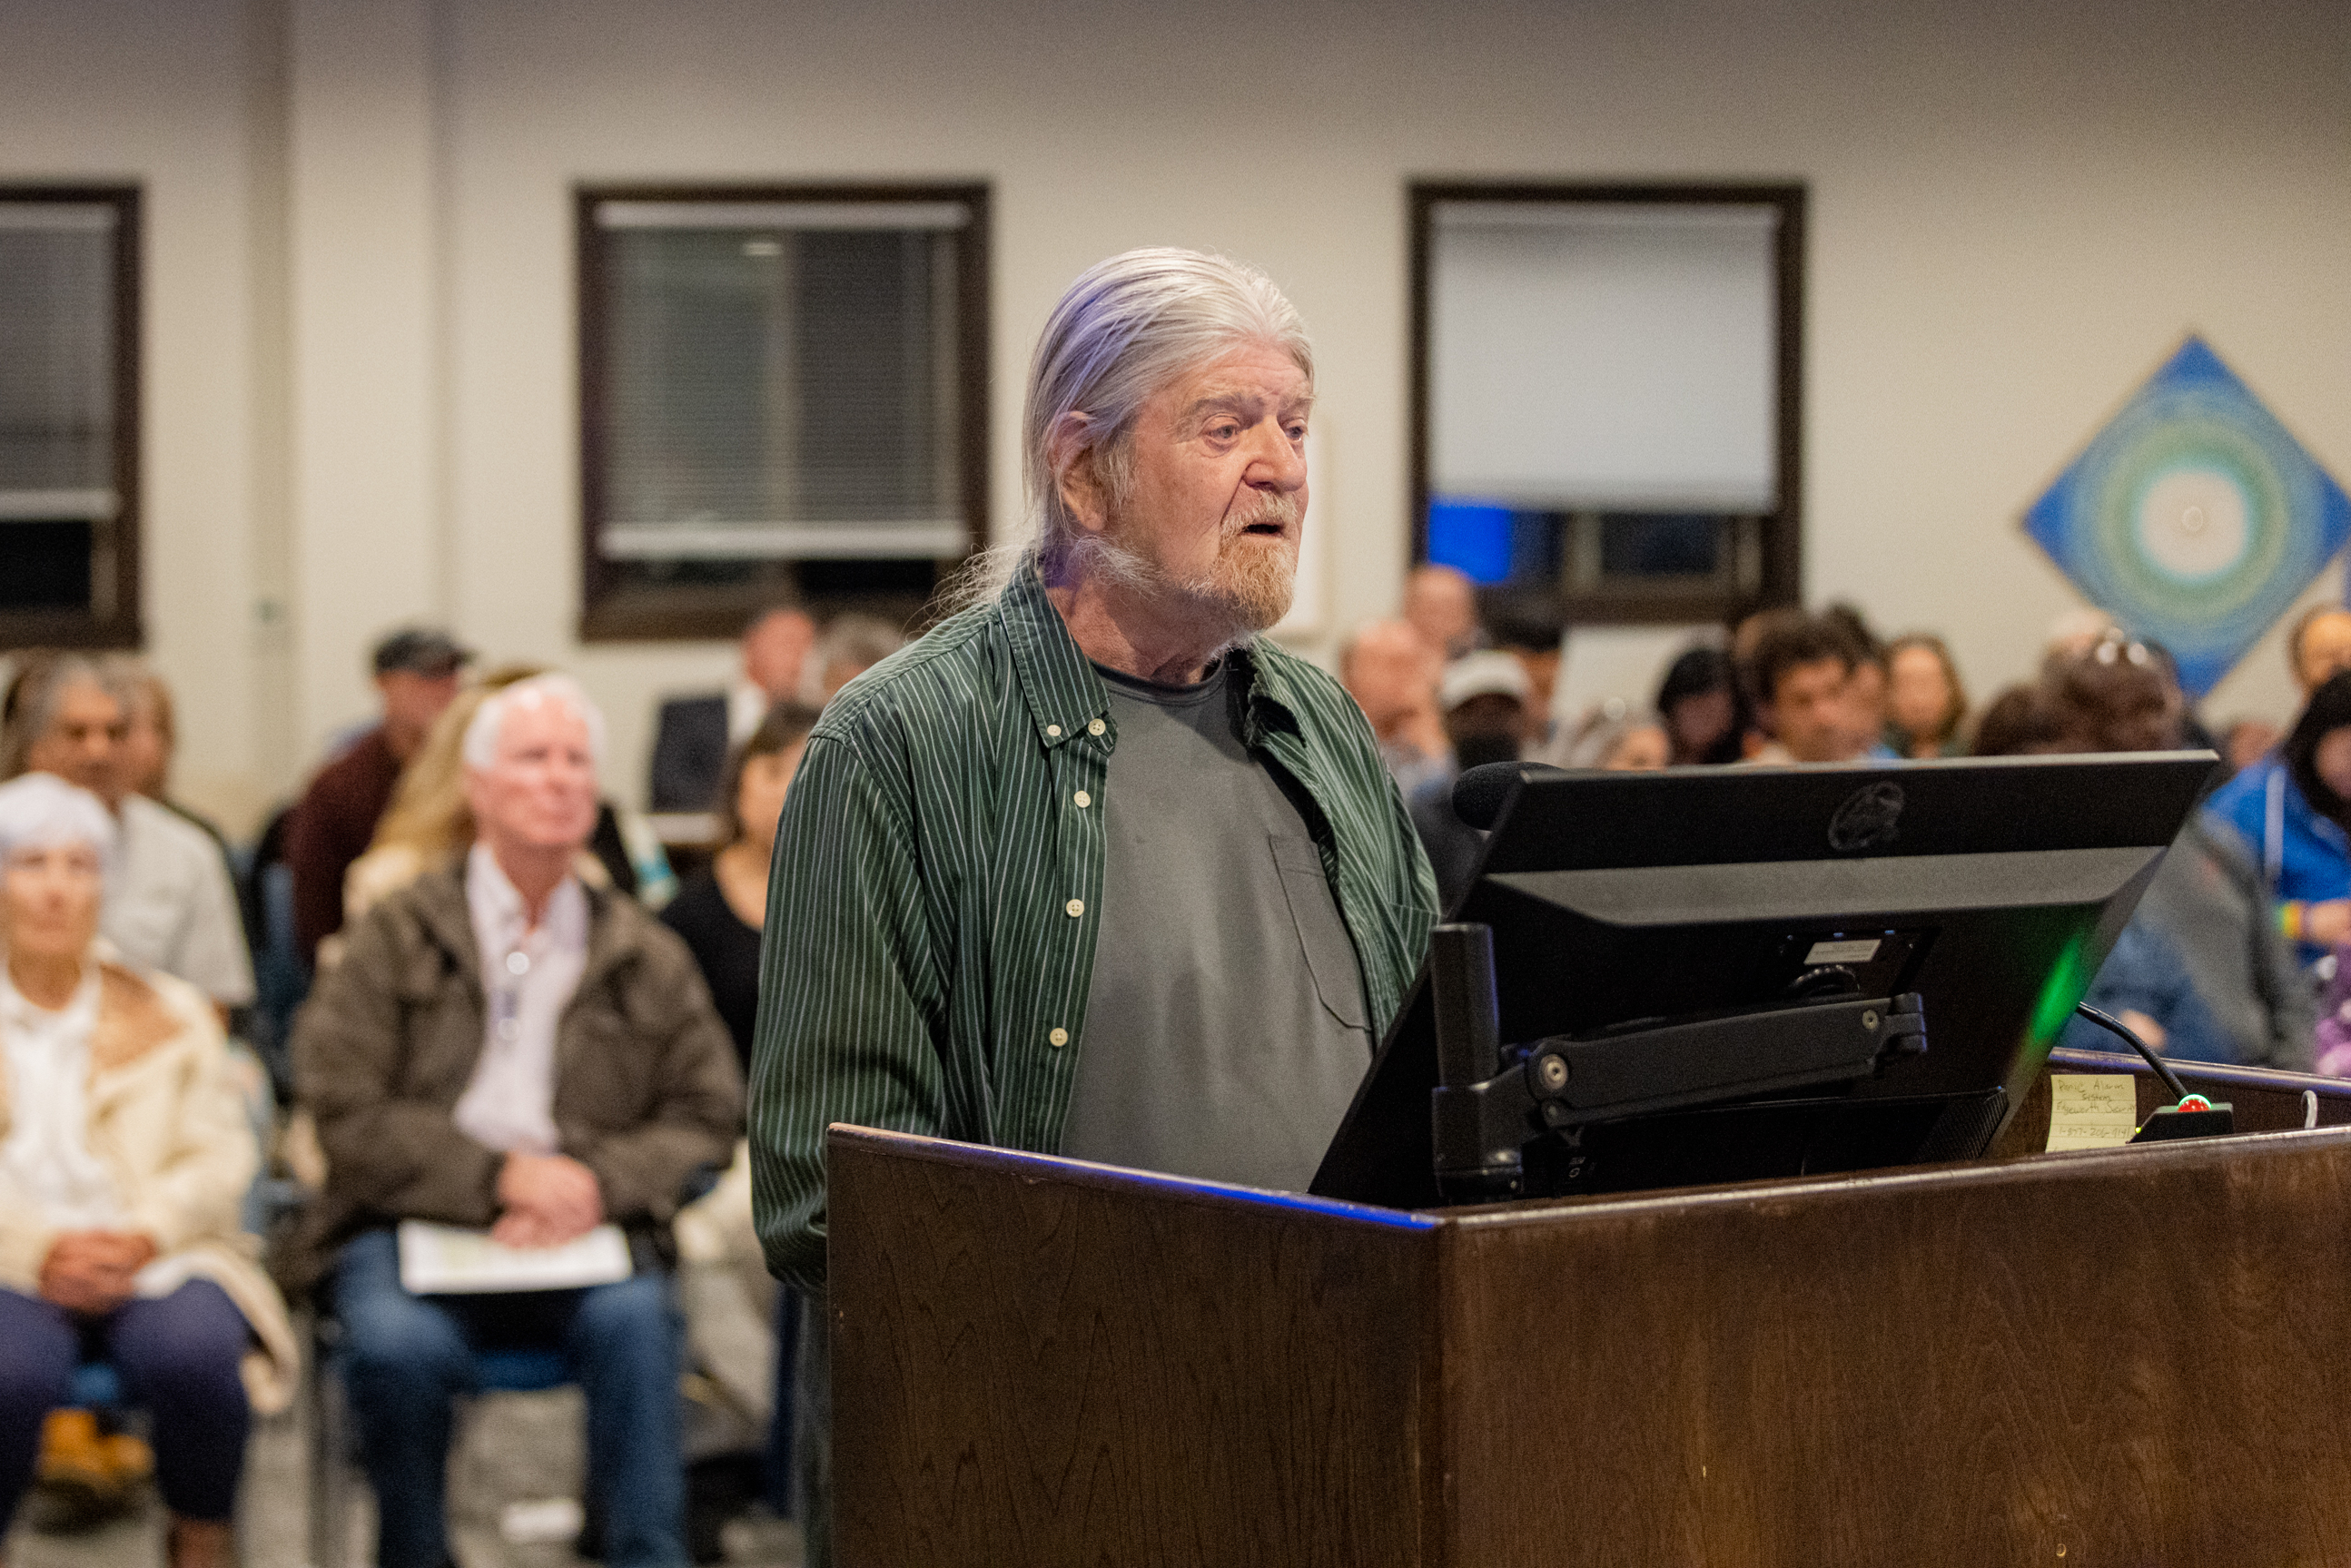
124,1153
506,1049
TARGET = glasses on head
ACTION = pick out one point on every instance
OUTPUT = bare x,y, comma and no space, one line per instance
2114,648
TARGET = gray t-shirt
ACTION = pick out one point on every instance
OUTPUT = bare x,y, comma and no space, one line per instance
1226,1026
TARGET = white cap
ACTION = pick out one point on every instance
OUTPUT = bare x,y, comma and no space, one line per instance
1486,674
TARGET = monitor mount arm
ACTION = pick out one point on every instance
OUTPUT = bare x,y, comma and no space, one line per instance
1483,1119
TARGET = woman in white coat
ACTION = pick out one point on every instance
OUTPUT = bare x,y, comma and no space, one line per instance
124,1153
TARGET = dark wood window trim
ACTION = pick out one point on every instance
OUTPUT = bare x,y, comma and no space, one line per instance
610,611
114,619
1782,543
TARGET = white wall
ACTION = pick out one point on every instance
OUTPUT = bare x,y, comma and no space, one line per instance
159,93
2017,211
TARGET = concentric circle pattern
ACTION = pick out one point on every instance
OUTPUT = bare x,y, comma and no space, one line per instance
2194,517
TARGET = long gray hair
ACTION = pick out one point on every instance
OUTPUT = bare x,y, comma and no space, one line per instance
1123,331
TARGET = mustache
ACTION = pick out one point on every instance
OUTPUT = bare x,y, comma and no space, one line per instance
1271,507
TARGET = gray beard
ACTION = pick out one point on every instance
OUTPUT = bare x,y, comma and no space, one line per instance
1232,614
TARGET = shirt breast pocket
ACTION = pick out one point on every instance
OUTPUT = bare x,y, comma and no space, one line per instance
1323,937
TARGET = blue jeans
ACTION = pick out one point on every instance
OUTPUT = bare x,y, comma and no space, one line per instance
406,1357
178,1360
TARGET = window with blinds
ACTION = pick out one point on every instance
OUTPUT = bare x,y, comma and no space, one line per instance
1607,380
783,395
68,402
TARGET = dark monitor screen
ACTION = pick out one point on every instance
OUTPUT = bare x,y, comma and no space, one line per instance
1992,888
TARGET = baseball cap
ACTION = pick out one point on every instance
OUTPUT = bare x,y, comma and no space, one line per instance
1486,674
421,649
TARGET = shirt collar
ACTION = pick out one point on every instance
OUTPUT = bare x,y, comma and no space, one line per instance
76,1018
1059,683
496,907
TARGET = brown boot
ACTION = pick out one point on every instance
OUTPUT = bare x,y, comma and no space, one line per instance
201,1544
129,1459
73,1454
76,1453
86,1476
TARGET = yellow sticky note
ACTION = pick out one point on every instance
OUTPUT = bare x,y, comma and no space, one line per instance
2092,1110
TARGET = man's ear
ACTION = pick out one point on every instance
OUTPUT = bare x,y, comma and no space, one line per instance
1075,477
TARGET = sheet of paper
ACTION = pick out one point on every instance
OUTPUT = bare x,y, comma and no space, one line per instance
2092,1110
444,1261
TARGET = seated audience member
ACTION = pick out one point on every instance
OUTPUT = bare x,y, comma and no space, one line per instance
2019,722
2318,645
1534,633
151,740
1392,673
1440,603
2193,736
692,734
721,908
1756,739
851,645
416,677
2201,972
719,913
2246,741
1702,709
1802,670
1926,706
1616,739
125,1156
1866,690
2333,1044
170,905
428,823
2074,632
1486,719
2288,810
503,1046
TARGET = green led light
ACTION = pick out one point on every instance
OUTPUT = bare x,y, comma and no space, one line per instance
2069,980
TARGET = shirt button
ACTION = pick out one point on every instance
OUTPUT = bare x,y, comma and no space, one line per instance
1060,1036
1096,727
1053,730
1083,800
1076,907
517,963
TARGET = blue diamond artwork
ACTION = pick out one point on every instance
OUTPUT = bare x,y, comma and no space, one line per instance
2193,518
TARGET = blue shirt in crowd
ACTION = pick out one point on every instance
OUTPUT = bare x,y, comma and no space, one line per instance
2304,857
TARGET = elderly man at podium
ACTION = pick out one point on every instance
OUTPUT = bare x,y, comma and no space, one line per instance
1093,869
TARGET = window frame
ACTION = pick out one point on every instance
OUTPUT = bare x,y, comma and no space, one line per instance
611,612
1782,530
124,624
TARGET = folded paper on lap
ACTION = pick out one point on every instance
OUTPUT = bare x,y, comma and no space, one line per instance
447,1260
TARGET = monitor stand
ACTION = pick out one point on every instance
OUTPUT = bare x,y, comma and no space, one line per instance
1483,1119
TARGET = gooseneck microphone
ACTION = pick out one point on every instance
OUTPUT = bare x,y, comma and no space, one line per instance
1480,793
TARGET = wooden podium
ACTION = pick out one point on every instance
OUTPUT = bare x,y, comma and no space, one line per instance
2137,1355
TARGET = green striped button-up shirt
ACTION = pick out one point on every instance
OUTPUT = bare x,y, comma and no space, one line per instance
938,884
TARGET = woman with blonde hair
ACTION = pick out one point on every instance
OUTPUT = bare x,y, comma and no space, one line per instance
428,820
125,1153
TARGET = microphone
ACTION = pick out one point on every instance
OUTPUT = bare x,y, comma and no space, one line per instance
1479,794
